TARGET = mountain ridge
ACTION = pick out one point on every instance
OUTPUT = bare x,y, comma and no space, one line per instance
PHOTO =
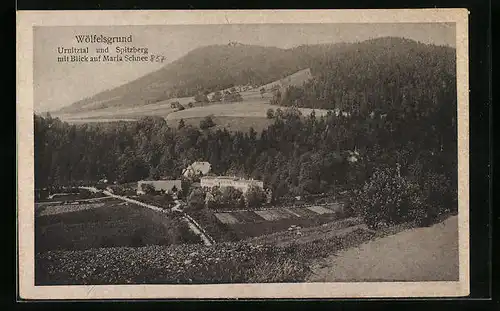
216,67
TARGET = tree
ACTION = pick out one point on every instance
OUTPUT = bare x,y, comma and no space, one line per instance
255,197
201,98
279,113
196,199
232,198
262,92
190,105
391,199
148,189
174,189
207,123
217,97
214,198
270,113
276,99
181,124
167,199
233,97
176,105
185,185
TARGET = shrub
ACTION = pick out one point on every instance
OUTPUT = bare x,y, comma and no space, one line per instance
440,196
225,198
196,199
148,189
214,198
201,98
390,199
254,197
270,113
207,123
232,198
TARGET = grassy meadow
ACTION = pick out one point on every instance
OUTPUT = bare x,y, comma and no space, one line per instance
239,116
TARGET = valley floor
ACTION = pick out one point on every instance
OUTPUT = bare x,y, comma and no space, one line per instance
420,254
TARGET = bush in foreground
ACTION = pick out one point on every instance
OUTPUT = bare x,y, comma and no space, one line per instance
391,199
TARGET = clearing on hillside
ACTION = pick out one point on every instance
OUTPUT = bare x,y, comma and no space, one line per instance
255,109
254,105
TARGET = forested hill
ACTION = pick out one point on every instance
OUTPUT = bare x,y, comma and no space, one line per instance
372,74
204,69
379,75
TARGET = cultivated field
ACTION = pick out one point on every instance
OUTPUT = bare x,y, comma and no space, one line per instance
109,223
243,224
55,209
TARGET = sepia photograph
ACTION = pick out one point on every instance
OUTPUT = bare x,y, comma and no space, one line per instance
216,153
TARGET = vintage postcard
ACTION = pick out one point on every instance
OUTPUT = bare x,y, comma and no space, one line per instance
243,154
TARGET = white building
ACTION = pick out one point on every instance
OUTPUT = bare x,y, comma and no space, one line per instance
197,169
209,182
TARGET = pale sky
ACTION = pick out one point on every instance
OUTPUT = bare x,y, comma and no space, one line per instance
61,84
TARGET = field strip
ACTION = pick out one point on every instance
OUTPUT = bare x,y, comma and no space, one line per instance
268,215
320,210
68,208
336,207
60,202
193,225
227,218
284,213
292,212
277,215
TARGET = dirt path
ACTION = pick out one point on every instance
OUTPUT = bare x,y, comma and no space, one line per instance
422,254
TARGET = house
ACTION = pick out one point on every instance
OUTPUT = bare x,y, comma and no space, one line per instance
197,169
208,182
167,186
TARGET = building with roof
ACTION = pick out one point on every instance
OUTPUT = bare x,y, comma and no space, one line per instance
208,182
167,186
197,169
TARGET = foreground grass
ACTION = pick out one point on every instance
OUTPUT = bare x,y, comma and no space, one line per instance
281,257
189,264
